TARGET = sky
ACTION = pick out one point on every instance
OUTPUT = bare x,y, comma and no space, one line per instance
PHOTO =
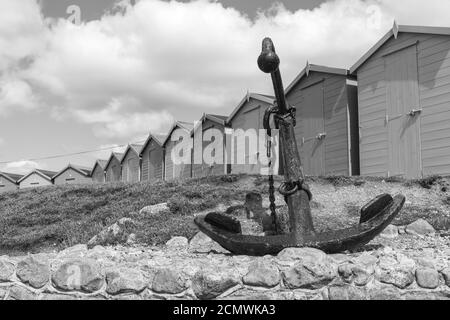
126,68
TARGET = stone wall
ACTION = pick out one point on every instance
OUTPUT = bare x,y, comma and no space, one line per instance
203,270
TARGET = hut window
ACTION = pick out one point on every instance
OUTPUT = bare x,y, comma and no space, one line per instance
2,186
34,183
70,179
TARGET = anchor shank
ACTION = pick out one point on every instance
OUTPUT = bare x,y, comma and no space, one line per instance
299,210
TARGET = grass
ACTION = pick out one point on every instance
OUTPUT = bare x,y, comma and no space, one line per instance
57,217
66,215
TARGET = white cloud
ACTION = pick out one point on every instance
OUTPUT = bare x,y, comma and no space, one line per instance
21,167
136,68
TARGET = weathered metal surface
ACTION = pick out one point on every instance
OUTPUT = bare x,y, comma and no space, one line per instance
375,216
330,242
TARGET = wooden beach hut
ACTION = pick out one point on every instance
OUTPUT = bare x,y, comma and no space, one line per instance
131,163
152,155
244,152
37,178
113,170
327,120
98,171
73,174
403,99
172,169
201,140
9,181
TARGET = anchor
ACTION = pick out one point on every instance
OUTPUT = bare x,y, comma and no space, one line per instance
375,216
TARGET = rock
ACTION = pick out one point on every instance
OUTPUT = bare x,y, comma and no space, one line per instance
399,272
177,243
420,227
33,272
3,293
6,270
169,281
426,262
446,274
209,284
427,278
312,271
131,240
57,297
21,293
345,292
358,273
114,234
155,210
201,243
401,229
78,275
384,293
390,232
294,254
262,274
124,280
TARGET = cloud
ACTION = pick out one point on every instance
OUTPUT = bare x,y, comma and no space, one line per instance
107,149
21,167
138,67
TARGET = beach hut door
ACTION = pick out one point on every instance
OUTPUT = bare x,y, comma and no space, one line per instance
403,113
314,135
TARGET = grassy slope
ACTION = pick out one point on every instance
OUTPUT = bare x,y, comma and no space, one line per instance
36,219
67,215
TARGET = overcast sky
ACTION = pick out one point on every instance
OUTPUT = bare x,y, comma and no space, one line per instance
126,70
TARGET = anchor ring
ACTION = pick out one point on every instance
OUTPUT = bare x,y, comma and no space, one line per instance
283,189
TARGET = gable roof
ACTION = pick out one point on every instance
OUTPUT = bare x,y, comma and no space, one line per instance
180,124
247,97
136,148
81,170
393,32
101,163
314,68
158,138
13,177
113,155
43,173
222,120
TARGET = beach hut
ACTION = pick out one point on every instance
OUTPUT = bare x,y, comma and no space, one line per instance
325,99
113,170
244,148
181,166
8,181
36,178
403,101
152,155
98,171
208,126
131,163
73,174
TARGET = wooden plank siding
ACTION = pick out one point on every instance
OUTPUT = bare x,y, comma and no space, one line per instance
433,73
98,174
206,169
34,180
71,176
152,161
113,170
328,106
171,170
7,185
249,116
131,164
